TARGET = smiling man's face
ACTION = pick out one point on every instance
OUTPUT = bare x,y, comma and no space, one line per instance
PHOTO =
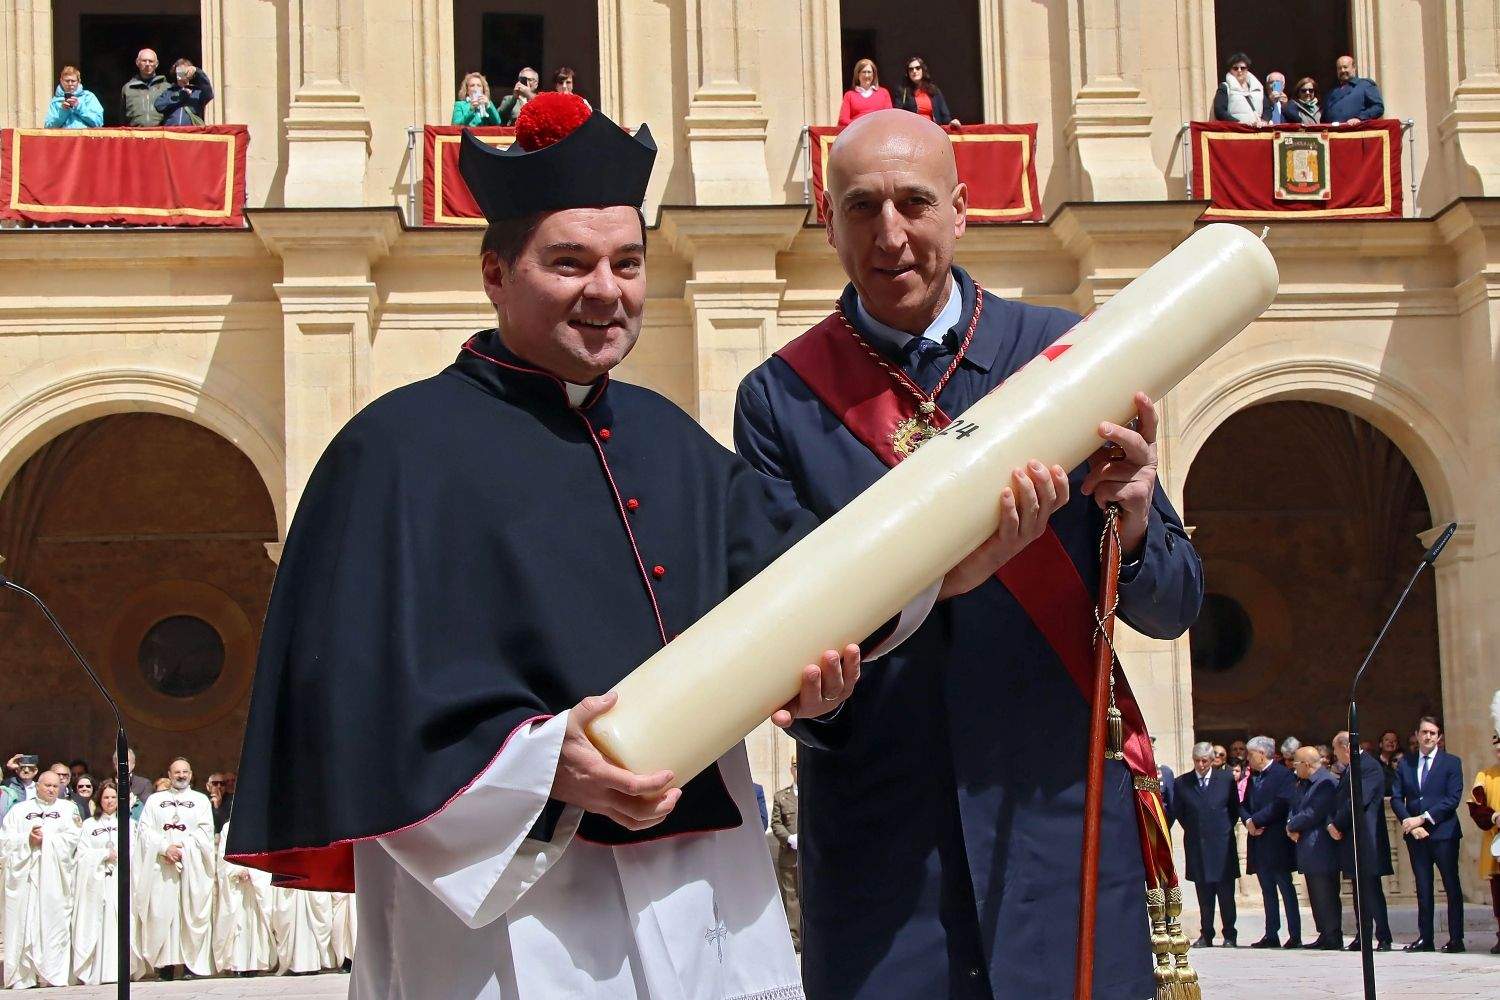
894,209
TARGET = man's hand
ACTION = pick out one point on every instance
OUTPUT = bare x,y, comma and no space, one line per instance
173,854
14,764
1352,121
1411,823
1251,828
1035,494
825,686
1333,832
1420,833
1124,472
36,836
586,779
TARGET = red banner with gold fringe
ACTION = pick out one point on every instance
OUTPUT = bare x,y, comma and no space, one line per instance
997,162
1234,169
177,176
446,200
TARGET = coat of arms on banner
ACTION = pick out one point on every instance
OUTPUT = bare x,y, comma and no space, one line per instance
1301,160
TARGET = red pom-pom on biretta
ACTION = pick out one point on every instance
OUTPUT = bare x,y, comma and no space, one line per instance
550,117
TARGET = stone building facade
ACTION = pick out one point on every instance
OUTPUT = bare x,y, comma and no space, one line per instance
1381,353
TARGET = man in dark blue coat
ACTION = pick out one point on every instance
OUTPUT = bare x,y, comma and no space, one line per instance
1207,804
1374,841
1353,99
1429,788
1270,856
941,817
1317,852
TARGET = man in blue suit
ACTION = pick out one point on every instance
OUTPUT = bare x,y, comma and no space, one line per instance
1317,852
942,812
1207,804
1271,856
1429,788
1374,841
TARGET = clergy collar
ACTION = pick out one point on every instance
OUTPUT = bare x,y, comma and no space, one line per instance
485,358
982,349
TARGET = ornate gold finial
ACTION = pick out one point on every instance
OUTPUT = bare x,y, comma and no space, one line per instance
1186,980
1161,946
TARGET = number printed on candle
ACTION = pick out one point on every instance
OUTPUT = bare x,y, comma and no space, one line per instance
961,429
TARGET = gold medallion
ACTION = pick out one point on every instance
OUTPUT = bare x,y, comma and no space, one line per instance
909,436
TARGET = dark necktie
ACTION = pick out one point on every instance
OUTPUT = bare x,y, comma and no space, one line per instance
1422,777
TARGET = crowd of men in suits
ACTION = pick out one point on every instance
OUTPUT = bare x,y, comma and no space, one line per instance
1298,817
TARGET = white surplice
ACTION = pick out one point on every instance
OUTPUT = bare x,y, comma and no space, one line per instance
39,892
345,928
242,917
467,900
96,905
302,924
174,903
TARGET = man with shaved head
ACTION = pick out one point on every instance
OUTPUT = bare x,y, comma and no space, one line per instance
138,96
979,865
175,859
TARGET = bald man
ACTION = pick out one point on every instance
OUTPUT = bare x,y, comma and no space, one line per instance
1312,809
958,772
138,96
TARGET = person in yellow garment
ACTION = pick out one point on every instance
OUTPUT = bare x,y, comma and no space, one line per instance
1484,800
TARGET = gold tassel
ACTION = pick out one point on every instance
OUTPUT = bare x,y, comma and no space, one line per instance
1161,945
1186,979
1116,749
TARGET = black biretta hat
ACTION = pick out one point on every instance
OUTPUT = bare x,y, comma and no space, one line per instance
566,155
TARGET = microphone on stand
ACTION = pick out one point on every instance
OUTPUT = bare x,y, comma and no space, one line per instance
122,812
1356,791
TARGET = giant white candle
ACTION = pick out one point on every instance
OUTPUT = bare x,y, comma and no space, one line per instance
714,683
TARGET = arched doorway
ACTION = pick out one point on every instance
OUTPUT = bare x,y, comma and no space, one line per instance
146,535
1306,517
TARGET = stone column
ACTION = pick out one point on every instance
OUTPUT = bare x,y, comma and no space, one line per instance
26,54
328,301
1110,127
726,124
1470,131
327,127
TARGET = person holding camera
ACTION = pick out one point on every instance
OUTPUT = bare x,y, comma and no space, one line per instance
23,768
527,82
72,106
184,101
474,107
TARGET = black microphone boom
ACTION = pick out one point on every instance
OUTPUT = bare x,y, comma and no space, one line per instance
1365,925
122,796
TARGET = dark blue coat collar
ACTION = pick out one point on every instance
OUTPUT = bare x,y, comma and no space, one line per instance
986,344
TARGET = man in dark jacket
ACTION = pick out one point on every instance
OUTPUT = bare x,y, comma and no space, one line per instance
1354,99
1207,804
1429,788
1317,853
138,96
1374,842
184,102
1270,855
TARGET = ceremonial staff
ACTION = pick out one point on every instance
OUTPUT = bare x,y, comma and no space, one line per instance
122,825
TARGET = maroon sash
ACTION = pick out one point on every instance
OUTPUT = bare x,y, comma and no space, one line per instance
840,371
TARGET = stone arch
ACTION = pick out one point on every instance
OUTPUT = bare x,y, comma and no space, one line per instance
1393,406
61,400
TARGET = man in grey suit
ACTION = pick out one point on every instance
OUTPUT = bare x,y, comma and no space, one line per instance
1207,804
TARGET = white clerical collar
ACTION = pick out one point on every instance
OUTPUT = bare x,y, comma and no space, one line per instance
896,340
577,393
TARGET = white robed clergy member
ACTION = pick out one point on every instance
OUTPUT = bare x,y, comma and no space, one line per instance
302,923
173,890
243,942
38,838
96,905
345,928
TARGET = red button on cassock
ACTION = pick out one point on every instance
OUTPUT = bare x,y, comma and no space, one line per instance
658,571
604,434
632,504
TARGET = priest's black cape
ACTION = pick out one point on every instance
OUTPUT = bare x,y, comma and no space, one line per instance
471,553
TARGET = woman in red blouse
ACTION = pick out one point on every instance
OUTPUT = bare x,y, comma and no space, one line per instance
922,96
865,94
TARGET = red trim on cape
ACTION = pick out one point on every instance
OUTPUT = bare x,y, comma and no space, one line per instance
330,868
1042,578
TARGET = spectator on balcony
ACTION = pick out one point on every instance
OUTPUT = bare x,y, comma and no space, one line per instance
1354,99
138,96
474,107
527,82
184,101
72,106
1277,102
1240,97
922,96
865,94
562,80
1303,108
